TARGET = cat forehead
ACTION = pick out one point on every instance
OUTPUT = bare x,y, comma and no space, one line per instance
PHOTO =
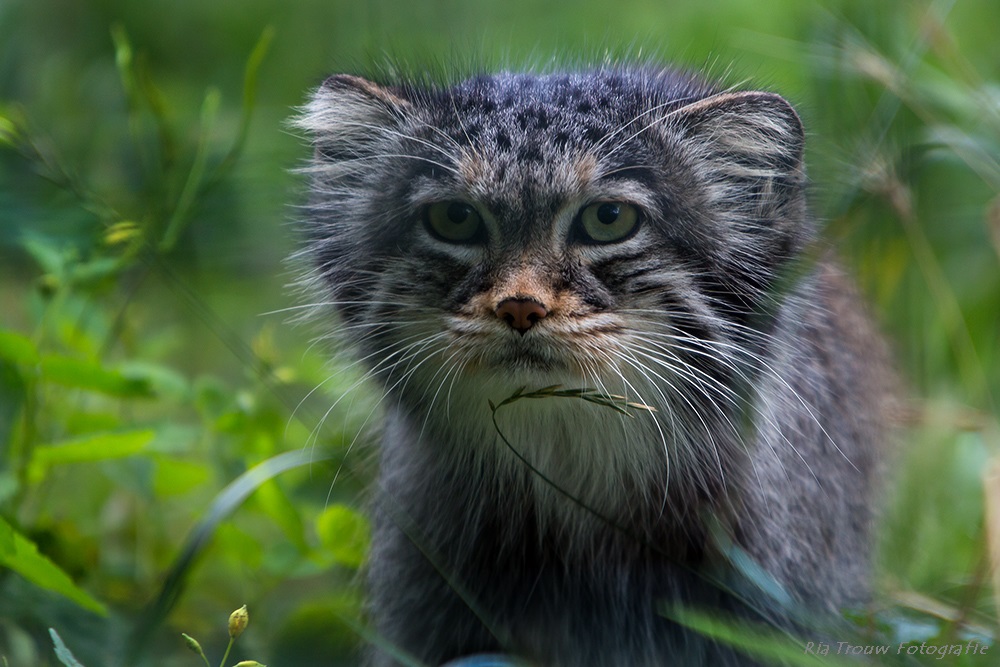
589,90
555,131
582,104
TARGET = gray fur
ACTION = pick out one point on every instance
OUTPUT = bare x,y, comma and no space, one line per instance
573,546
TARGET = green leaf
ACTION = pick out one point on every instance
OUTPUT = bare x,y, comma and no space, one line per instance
96,270
83,374
50,258
63,653
123,53
161,380
13,396
249,98
17,348
39,570
8,130
753,640
345,534
9,486
180,219
283,511
99,447
6,540
174,477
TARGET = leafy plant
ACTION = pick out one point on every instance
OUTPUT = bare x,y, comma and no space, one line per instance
88,391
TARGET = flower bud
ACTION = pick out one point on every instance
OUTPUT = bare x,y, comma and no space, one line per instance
238,622
193,644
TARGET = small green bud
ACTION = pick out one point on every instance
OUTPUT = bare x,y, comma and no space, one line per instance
238,622
249,663
121,232
193,644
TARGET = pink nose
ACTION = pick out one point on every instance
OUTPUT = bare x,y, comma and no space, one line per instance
521,314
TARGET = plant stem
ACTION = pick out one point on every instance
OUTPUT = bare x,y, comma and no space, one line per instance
232,640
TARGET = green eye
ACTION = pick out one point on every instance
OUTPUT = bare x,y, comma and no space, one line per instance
454,222
608,221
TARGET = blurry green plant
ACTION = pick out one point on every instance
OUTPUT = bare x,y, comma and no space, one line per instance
83,392
238,621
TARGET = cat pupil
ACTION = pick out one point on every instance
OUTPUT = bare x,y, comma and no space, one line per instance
458,213
608,213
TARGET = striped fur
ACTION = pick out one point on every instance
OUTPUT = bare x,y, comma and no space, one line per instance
566,543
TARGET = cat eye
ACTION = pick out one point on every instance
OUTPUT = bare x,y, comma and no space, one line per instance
608,222
454,222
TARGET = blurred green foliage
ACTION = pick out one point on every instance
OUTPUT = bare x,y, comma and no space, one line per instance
167,445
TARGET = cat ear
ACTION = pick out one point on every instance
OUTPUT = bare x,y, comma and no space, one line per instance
745,135
348,116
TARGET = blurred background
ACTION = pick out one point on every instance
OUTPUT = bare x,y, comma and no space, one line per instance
168,448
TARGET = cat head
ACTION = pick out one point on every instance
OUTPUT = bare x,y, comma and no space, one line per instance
622,227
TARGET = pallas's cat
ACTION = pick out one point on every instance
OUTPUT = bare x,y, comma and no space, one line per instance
627,235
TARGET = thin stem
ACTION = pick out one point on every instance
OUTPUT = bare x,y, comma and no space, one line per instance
232,640
611,401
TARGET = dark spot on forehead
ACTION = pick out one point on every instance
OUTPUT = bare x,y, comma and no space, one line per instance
529,153
472,131
593,134
561,110
534,117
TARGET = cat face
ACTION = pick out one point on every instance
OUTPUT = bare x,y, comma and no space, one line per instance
618,229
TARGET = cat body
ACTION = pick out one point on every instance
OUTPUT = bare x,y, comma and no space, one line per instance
627,236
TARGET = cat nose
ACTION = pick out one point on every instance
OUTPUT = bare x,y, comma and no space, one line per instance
521,314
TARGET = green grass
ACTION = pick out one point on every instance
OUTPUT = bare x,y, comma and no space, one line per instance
163,458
